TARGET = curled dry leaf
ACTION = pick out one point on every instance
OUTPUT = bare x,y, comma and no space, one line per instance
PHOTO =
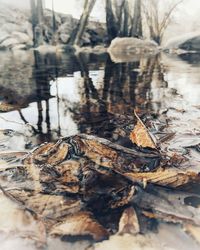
141,136
129,222
49,153
114,157
80,224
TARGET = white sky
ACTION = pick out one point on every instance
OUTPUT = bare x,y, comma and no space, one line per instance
188,7
74,7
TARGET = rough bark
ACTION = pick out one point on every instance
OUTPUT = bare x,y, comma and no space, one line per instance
112,27
37,17
136,29
40,11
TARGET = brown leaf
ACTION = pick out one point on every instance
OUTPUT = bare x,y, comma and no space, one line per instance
140,135
114,157
126,195
6,107
44,205
129,222
20,222
80,224
48,153
194,231
170,177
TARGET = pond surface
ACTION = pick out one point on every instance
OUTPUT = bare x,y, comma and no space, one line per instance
44,97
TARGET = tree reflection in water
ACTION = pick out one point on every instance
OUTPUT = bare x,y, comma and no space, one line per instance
83,93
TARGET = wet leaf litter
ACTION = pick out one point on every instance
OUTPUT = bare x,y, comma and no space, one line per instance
87,187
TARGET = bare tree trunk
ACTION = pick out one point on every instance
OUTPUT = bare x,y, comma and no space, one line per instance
158,24
37,18
78,32
125,31
40,11
34,20
54,25
111,22
136,30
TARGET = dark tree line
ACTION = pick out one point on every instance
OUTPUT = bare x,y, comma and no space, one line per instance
120,21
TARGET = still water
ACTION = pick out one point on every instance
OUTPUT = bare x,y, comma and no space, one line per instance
43,97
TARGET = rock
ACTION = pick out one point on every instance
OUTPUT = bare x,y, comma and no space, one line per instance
3,36
10,42
97,50
131,44
48,18
126,49
27,28
11,27
64,38
86,39
48,49
15,29
191,44
182,44
19,47
21,37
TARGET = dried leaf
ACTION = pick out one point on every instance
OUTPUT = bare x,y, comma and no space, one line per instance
20,222
11,159
114,157
129,222
63,176
46,206
170,177
80,224
6,107
125,194
49,153
140,135
194,231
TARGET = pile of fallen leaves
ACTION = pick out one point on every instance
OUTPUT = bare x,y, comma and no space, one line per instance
86,186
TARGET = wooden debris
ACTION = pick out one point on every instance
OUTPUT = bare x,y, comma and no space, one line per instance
141,136
80,224
129,222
